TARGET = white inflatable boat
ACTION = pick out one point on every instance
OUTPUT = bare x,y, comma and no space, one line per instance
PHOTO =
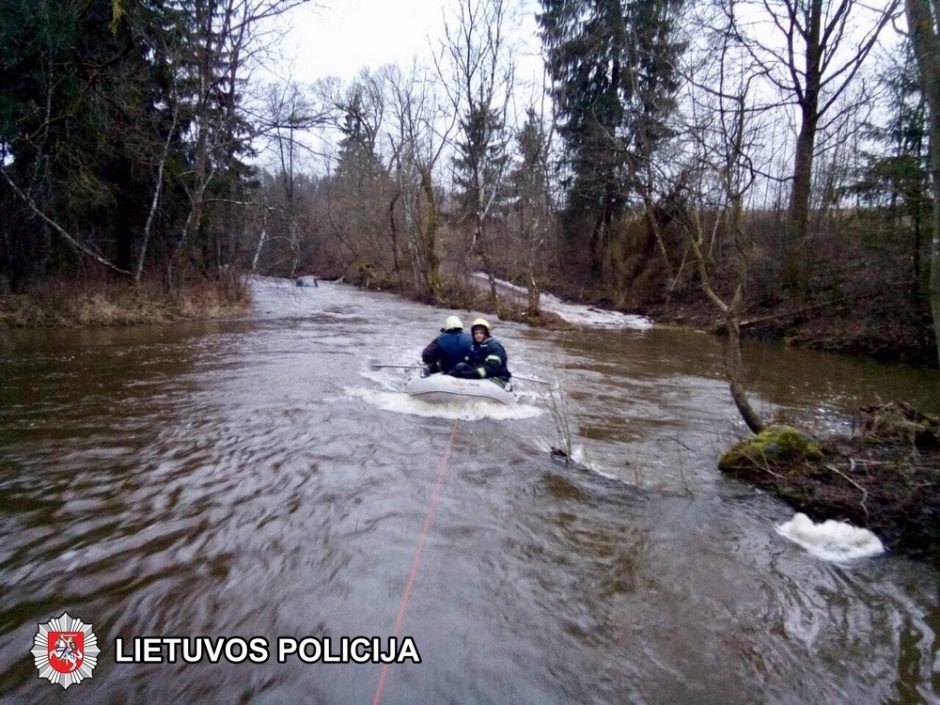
441,389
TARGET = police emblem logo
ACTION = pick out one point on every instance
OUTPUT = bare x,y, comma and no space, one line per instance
65,650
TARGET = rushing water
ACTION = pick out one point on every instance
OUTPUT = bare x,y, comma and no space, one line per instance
256,479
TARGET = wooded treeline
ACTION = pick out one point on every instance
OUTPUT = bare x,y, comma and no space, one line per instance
123,135
765,157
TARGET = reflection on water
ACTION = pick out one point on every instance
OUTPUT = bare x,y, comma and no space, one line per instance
251,478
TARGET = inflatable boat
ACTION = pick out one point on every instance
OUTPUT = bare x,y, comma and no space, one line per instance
441,389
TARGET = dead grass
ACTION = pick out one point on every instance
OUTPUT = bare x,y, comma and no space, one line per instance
120,303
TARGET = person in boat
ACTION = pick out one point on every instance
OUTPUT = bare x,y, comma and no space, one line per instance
487,358
449,348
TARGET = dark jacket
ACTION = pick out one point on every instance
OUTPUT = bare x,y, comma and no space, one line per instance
447,350
487,359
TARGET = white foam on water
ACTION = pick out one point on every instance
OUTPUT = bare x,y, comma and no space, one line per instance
469,410
831,540
578,455
383,378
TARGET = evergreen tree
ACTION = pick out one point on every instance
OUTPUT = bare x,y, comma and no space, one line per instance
613,64
75,91
357,160
530,179
480,161
118,119
895,178
532,201
898,171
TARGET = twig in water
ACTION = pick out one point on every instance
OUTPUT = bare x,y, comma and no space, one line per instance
852,482
676,440
765,466
556,405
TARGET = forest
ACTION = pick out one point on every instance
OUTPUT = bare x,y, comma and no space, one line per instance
762,167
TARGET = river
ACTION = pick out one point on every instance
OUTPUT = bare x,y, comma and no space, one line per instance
255,478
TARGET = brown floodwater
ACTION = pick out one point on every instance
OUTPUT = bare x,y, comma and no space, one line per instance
255,478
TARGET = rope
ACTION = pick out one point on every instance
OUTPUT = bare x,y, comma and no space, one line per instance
422,539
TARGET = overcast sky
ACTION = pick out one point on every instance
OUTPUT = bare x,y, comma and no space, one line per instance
341,37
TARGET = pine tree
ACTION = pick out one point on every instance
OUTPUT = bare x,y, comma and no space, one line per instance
480,161
896,177
532,201
76,89
614,69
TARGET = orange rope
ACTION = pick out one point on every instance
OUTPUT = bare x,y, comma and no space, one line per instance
422,539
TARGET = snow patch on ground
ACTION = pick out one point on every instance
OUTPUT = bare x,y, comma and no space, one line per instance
576,314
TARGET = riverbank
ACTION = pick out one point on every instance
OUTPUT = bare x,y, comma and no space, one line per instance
874,323
876,329
863,316
471,295
121,303
885,477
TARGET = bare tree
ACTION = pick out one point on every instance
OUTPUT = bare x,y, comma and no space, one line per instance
225,39
418,133
724,133
477,73
289,114
809,50
158,188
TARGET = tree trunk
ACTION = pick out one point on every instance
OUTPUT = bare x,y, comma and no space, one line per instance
202,172
294,246
533,294
924,22
597,254
157,189
734,368
802,181
261,239
432,275
393,230
654,229
805,146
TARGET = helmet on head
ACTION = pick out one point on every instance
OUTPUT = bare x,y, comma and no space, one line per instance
484,323
453,323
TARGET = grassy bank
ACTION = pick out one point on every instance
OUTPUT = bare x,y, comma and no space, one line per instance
121,303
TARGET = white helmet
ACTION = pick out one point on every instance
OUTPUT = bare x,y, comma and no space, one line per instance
484,323
453,323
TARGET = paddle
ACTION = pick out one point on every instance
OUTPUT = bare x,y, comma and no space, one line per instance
376,365
530,379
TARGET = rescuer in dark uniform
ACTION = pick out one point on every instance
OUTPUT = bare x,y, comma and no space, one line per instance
449,348
487,358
